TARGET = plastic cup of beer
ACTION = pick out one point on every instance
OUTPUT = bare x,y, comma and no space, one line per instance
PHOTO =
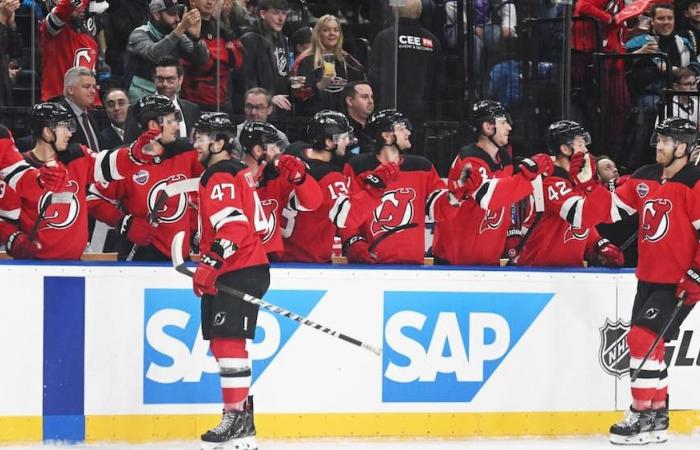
329,65
296,82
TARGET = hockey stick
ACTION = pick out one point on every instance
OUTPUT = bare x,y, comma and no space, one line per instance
52,198
679,303
388,233
172,189
629,241
538,197
179,265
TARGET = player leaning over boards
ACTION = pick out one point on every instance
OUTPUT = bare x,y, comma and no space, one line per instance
575,202
231,219
477,233
667,197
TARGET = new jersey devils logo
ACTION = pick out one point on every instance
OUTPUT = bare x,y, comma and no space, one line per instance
395,210
655,219
492,220
61,215
580,234
270,210
174,207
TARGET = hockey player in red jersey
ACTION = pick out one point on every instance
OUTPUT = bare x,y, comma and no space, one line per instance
308,235
477,233
574,203
281,181
395,232
666,196
231,218
65,43
61,229
145,219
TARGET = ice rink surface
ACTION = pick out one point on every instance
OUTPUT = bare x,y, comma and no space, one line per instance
593,443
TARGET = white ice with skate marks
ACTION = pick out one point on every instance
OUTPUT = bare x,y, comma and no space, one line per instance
593,443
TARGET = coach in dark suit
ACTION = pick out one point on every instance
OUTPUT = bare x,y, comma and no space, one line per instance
116,103
79,94
167,76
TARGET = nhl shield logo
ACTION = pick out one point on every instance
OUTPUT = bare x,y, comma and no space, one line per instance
614,355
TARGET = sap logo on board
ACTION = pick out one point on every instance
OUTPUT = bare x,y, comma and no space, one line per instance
177,364
444,346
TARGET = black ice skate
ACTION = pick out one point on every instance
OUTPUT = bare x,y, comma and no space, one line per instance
659,432
633,429
231,434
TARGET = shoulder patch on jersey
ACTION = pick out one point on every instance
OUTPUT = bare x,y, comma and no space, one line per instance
180,145
363,162
415,163
319,169
648,172
230,166
71,153
688,175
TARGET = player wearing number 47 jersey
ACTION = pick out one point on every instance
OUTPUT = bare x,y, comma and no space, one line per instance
231,219
666,196
477,233
574,203
308,235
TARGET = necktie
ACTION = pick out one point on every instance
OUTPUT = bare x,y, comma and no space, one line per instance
92,141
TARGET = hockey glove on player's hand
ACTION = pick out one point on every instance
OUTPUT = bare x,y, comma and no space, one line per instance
607,254
535,165
292,168
689,286
53,176
377,180
582,171
137,230
469,181
146,147
513,239
204,281
357,250
19,246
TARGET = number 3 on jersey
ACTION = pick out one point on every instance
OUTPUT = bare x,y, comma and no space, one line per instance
559,189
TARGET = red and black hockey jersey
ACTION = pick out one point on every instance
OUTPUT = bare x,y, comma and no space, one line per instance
137,195
280,199
395,231
63,47
229,208
477,233
560,236
63,232
669,218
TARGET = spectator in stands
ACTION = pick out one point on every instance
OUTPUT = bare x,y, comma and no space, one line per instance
165,34
421,67
258,108
684,106
207,84
79,95
266,62
326,69
239,17
10,47
65,42
122,18
359,106
690,27
495,22
167,77
646,78
116,105
301,42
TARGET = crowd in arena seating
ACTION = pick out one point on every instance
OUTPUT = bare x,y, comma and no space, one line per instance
105,64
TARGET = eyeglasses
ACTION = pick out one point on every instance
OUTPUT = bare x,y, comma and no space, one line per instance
249,107
159,79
